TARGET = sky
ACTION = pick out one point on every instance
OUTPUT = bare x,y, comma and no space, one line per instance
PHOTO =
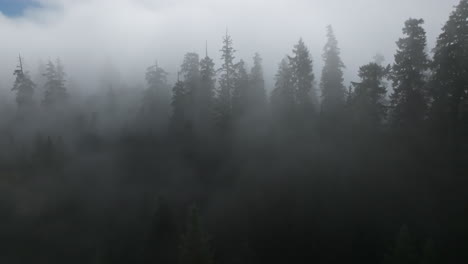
90,35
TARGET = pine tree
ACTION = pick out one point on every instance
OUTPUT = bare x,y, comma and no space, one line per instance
226,84
283,96
408,100
55,90
240,93
257,92
179,107
156,79
194,245
206,92
333,90
303,79
23,87
449,93
367,100
190,70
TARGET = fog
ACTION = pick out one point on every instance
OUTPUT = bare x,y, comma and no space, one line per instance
237,131
132,34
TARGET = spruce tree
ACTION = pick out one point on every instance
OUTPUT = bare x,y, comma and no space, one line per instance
303,79
156,79
55,90
206,92
179,107
283,101
240,93
23,87
257,92
367,101
190,70
449,86
226,84
333,90
408,101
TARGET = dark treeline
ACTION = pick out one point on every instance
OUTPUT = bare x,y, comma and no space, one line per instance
215,169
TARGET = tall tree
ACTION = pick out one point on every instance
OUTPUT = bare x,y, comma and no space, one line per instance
226,84
408,101
179,107
240,93
155,107
449,93
367,101
206,92
55,90
190,70
303,78
283,96
333,90
23,87
257,92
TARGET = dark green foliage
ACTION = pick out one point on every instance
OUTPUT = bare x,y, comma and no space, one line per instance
408,101
331,84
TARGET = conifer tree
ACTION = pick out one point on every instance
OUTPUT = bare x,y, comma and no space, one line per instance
240,93
283,96
55,90
449,86
367,99
408,101
156,79
179,119
303,78
23,87
226,84
257,92
190,70
206,92
333,90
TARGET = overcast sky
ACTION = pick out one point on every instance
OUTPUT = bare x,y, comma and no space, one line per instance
132,34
